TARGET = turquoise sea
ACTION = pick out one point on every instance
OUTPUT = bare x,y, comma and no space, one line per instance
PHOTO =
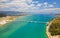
26,27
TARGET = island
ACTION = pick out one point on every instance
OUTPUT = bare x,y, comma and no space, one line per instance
53,28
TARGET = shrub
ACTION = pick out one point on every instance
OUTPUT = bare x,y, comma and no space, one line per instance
55,27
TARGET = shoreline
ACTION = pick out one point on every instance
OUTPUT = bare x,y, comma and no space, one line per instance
5,20
47,30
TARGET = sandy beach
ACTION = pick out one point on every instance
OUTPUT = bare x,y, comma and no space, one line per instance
47,28
4,20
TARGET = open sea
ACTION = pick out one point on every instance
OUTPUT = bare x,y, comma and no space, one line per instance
31,26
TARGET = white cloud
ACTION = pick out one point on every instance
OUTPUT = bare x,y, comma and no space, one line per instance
45,3
23,6
35,2
49,10
20,4
3,0
51,5
39,5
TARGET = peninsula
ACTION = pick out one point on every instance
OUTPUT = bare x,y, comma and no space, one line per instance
53,28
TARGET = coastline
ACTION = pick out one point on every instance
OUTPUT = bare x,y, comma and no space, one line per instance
47,30
7,19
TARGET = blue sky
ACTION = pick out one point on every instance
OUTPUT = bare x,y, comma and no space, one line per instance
29,5
50,1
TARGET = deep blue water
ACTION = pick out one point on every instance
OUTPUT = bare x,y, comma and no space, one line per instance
20,29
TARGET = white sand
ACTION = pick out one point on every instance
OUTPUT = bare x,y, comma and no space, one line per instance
3,22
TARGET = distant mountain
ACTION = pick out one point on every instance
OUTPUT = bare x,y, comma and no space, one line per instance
12,13
16,13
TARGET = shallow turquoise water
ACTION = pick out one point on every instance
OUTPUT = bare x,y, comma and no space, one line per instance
20,29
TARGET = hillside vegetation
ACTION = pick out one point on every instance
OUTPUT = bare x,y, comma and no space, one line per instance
55,27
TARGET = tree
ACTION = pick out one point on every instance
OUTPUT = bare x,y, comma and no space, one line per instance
55,27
